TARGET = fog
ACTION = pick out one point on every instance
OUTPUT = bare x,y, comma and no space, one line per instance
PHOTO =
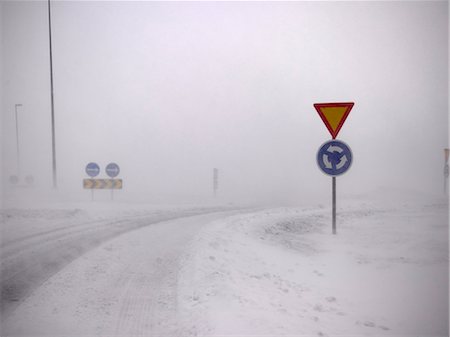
171,90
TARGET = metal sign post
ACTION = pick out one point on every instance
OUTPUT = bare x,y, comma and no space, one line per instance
334,157
334,204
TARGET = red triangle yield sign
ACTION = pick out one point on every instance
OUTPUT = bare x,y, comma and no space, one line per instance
334,115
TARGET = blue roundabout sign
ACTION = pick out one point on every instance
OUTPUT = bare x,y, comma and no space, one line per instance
334,157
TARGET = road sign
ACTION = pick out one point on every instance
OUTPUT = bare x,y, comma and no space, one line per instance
334,157
112,170
334,115
92,169
102,183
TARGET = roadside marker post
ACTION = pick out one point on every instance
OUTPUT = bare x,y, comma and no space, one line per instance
446,170
334,157
215,181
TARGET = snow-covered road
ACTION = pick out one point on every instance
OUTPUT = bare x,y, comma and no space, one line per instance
223,272
35,244
125,287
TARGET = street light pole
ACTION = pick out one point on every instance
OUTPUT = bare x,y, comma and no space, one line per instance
17,139
51,97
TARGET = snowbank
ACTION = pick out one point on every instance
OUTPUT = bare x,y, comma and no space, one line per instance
282,273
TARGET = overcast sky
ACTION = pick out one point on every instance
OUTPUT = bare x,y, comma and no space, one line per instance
170,90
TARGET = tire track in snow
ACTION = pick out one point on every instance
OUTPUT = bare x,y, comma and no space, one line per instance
29,261
125,287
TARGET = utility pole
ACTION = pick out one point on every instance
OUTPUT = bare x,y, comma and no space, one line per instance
51,99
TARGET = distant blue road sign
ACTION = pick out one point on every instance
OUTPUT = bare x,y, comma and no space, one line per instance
112,170
92,169
334,157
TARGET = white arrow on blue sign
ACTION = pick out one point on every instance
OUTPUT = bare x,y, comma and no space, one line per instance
92,169
112,170
334,157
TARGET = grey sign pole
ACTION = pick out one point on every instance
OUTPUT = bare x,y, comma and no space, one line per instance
334,203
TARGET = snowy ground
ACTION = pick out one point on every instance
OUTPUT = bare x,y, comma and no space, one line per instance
281,273
272,272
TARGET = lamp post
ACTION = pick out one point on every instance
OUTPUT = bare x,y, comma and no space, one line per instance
17,139
51,98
